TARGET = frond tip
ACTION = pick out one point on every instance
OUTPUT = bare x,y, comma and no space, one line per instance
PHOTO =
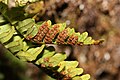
54,34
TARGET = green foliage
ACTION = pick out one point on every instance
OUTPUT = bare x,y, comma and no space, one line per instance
6,34
56,34
41,56
18,36
18,2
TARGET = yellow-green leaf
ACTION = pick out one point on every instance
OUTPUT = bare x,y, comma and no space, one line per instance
46,55
67,65
88,40
7,36
85,77
82,37
75,71
57,58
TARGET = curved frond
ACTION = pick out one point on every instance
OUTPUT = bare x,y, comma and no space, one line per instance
18,35
53,34
49,61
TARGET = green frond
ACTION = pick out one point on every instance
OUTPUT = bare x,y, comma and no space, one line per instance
14,30
83,77
6,34
56,34
31,54
46,55
41,56
18,2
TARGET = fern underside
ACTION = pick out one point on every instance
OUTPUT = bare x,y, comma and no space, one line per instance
26,39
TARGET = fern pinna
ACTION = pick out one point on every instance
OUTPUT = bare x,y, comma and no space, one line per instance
19,38
53,34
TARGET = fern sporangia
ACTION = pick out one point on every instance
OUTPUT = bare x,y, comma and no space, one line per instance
19,37
57,33
51,62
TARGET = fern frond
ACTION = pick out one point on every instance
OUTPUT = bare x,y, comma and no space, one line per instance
13,35
18,2
52,63
53,34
